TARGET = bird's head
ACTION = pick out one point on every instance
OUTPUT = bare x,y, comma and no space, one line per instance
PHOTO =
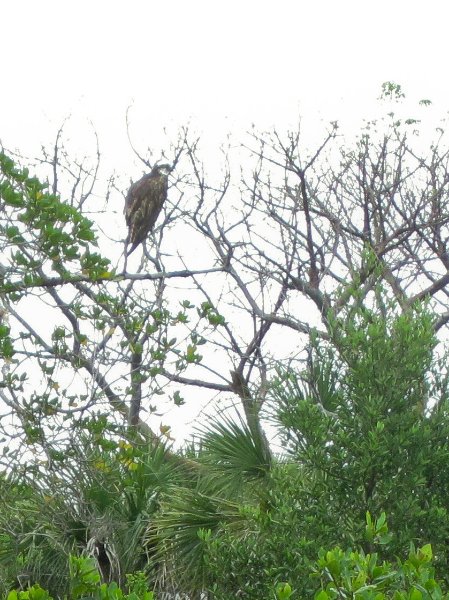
161,169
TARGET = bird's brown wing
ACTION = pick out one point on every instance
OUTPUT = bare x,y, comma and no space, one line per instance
134,198
142,207
155,196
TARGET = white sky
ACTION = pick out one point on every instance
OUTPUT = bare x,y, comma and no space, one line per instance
222,65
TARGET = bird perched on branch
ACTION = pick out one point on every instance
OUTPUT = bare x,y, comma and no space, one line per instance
143,204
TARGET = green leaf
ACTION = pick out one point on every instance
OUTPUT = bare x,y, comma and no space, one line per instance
425,553
177,399
283,591
415,594
381,521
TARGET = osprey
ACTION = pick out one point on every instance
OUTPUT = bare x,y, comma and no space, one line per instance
143,204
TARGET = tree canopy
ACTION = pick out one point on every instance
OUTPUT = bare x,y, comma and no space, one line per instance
241,272
305,287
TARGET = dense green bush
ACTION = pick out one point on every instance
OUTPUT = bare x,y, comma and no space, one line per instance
337,574
364,430
85,582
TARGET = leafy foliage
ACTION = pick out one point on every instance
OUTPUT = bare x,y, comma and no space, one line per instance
359,575
85,582
358,236
364,430
99,501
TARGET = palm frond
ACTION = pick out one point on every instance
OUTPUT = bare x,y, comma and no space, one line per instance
177,533
232,452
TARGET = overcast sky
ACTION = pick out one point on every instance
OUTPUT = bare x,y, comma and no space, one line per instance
221,65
